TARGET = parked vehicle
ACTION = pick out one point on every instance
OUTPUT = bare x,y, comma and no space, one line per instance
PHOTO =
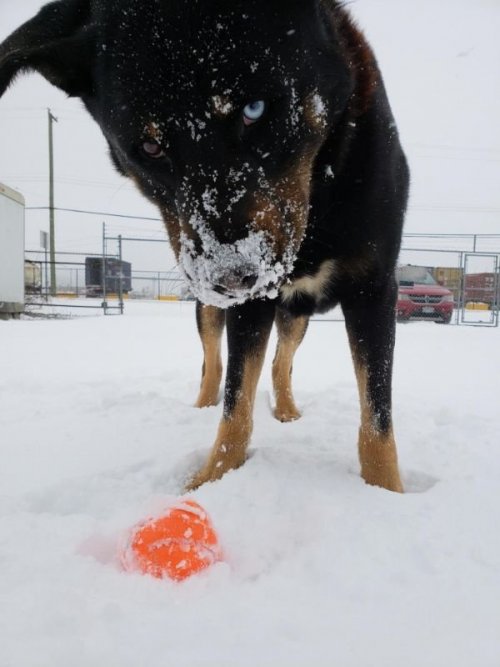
421,297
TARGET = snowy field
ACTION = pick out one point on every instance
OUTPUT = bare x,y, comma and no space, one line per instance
98,431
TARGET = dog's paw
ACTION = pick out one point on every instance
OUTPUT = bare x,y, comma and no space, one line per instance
386,477
213,470
207,396
288,413
196,481
204,476
205,401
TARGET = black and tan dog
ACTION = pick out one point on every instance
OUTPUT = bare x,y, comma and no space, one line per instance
262,131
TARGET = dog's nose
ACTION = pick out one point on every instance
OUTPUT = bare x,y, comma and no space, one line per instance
233,282
248,282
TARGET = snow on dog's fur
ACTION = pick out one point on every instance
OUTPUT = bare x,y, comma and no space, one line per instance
262,131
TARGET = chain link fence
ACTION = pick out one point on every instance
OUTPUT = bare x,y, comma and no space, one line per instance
442,278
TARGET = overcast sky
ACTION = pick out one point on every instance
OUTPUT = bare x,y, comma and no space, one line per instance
440,63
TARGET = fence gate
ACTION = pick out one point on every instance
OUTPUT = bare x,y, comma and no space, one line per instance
480,290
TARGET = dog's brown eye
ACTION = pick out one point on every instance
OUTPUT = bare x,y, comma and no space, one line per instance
152,149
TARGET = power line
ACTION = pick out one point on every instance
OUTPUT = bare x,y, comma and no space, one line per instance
449,147
459,208
456,158
414,207
448,235
100,213
42,178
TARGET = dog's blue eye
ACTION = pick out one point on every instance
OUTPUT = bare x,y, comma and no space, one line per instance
253,111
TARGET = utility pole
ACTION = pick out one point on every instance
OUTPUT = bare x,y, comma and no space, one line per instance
53,285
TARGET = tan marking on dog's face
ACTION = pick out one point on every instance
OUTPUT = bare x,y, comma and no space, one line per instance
265,216
275,219
222,105
173,228
377,450
282,210
152,130
316,112
176,227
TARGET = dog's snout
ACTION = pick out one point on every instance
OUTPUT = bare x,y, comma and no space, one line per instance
248,281
235,282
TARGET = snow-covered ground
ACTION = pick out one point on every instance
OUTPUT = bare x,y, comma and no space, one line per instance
98,431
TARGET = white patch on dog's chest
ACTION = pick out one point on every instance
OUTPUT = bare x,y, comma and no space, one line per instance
315,285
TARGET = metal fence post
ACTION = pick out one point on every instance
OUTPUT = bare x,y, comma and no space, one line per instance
120,276
104,304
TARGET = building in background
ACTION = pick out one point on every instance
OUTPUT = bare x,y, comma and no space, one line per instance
11,252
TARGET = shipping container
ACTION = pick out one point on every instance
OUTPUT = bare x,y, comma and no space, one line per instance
32,277
482,288
11,252
115,274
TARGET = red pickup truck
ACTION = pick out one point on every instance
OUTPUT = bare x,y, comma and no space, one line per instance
421,297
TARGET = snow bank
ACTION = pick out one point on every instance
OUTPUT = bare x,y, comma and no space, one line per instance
98,432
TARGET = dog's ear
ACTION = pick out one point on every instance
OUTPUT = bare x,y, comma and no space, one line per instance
58,43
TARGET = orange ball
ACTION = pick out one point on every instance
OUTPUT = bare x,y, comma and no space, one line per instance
178,544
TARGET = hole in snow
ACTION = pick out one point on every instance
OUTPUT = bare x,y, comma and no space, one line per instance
417,482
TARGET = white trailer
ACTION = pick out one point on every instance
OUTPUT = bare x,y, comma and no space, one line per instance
11,252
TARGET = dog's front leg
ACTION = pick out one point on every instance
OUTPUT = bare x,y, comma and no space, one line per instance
248,328
210,321
291,331
371,330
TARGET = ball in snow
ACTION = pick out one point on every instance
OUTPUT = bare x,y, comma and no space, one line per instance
177,544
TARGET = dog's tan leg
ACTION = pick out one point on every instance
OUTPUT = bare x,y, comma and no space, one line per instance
371,333
210,321
248,328
377,447
291,331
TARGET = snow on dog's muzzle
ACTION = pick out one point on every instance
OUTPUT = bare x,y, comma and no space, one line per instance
226,274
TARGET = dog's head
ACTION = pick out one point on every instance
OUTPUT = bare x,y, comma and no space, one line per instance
215,108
